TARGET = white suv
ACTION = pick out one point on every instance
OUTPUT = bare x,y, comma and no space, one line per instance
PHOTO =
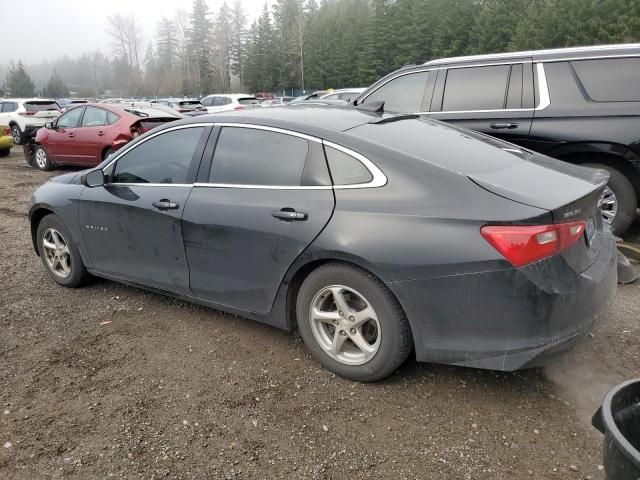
224,102
24,116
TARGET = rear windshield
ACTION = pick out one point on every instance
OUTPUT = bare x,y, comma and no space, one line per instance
153,123
190,104
248,101
40,106
611,79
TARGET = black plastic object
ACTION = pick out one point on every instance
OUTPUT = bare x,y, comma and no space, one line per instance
619,419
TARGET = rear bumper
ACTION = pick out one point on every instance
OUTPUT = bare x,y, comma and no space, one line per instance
508,319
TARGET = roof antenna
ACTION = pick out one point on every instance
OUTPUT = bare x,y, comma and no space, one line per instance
373,107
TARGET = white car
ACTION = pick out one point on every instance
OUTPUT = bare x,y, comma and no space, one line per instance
346,94
23,116
224,102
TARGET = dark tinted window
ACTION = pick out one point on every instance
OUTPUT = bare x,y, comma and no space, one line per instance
514,95
71,118
346,170
402,94
94,117
475,88
162,159
610,80
246,156
248,101
40,106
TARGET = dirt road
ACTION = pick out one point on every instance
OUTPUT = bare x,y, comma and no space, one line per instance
171,390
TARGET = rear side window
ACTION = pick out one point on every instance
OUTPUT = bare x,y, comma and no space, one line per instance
611,79
112,118
475,88
165,158
403,94
94,117
345,169
246,156
248,101
40,106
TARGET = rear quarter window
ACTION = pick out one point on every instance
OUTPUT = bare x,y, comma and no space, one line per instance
345,169
475,88
610,80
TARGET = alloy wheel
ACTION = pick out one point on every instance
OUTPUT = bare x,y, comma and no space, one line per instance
15,133
345,325
56,253
609,206
41,158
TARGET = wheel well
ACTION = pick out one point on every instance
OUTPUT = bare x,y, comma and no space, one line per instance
36,218
613,161
302,274
104,151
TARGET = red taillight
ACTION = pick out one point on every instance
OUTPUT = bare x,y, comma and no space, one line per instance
183,110
7,131
26,114
239,107
524,244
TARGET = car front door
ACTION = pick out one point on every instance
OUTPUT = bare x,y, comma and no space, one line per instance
493,99
132,225
61,140
265,198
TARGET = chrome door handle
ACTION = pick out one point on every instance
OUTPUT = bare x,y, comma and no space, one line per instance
289,215
504,126
165,205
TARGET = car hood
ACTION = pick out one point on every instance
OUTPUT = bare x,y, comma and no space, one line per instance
68,178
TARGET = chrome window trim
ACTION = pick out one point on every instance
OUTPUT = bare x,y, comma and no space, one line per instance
599,57
400,74
543,88
269,129
148,184
379,179
263,187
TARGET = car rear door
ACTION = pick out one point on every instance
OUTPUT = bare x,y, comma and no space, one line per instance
132,226
90,138
254,210
61,140
495,99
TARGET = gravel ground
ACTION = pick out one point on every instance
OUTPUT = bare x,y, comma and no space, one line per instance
172,390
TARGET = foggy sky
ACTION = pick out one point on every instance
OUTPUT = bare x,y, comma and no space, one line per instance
46,29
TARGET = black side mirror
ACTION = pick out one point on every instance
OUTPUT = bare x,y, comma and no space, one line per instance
94,178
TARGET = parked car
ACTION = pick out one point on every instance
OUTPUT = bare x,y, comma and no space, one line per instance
227,102
276,102
264,96
6,140
580,105
24,116
87,134
374,234
345,94
310,96
65,103
186,106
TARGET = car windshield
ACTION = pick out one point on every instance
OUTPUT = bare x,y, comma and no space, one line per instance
190,104
248,101
40,106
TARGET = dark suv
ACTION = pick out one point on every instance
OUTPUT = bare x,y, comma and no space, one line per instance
581,105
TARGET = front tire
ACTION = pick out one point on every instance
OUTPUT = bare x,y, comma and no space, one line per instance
4,152
619,200
59,253
352,323
16,133
41,159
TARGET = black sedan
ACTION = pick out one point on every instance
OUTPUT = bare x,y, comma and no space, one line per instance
375,234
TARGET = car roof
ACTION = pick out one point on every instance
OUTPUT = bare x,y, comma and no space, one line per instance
551,54
22,100
125,110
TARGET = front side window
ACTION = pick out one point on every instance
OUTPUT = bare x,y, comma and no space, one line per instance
9,107
403,94
475,88
611,79
165,158
94,117
70,119
207,102
247,156
345,169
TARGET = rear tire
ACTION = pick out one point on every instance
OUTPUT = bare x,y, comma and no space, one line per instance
4,152
352,323
16,133
59,253
624,199
41,159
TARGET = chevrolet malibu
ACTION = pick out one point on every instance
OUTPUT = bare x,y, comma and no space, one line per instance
374,235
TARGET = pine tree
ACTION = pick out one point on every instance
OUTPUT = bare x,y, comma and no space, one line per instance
18,83
238,39
199,41
56,88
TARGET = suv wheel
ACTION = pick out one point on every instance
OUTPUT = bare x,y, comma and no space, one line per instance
16,133
41,159
352,323
619,200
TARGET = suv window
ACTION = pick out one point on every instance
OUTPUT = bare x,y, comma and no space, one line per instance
9,107
403,94
70,119
611,79
165,158
475,88
346,170
207,102
40,106
94,117
246,156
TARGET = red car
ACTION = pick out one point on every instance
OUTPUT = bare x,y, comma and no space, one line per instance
85,135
